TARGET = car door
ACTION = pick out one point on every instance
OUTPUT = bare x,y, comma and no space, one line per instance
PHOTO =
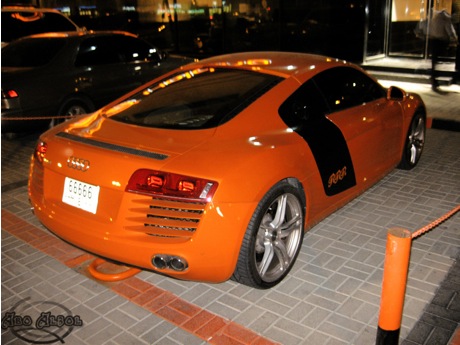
352,130
370,124
305,112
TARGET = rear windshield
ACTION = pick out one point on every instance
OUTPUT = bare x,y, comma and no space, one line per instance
31,52
197,99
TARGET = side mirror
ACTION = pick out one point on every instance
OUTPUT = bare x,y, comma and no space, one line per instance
394,93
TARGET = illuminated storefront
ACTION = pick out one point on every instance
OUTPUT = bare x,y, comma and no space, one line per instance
357,30
406,16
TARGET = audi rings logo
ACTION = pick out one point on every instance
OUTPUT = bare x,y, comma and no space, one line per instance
78,163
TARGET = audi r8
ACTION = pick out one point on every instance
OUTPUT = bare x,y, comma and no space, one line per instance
216,169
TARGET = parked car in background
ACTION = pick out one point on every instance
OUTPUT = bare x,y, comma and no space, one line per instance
217,169
20,21
52,76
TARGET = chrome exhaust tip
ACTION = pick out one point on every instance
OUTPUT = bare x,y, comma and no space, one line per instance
160,262
178,264
164,261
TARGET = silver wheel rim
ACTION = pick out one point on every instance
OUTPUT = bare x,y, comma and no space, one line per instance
278,237
75,110
416,140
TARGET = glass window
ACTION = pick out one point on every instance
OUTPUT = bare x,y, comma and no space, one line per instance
132,49
304,106
346,87
196,99
102,50
31,52
96,51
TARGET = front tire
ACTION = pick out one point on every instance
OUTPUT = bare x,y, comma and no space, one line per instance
414,143
273,238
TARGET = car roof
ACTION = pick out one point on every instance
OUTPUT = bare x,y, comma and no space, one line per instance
21,21
284,64
70,34
30,9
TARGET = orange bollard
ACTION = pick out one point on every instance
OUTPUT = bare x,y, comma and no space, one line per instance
393,285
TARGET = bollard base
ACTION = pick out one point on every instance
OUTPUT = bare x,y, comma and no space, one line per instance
387,337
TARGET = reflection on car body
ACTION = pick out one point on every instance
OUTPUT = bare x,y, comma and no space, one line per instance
223,164
66,74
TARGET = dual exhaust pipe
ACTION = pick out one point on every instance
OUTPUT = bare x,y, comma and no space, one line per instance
164,261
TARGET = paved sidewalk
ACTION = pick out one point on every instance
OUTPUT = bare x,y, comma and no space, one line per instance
442,316
332,295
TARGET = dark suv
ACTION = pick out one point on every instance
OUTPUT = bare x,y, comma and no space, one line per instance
57,75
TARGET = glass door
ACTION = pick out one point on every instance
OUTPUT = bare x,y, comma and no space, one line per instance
405,18
376,28
410,21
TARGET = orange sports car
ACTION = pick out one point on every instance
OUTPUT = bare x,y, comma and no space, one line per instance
216,170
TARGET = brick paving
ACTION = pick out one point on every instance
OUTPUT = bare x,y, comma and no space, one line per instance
441,317
332,295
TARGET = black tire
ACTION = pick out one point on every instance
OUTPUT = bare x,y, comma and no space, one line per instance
414,143
273,238
70,109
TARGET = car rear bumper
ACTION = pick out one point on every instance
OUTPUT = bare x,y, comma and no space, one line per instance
210,253
211,258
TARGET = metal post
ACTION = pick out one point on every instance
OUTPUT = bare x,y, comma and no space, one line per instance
393,285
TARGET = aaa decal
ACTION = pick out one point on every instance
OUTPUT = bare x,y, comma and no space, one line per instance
336,177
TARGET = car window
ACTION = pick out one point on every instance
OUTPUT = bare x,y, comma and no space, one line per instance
32,52
134,49
20,24
197,99
305,106
346,87
96,51
103,50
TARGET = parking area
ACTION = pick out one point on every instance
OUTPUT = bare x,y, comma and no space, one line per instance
331,296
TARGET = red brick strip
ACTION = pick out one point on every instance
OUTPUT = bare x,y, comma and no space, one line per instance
455,337
205,325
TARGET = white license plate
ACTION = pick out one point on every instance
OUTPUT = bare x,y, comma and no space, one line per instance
81,195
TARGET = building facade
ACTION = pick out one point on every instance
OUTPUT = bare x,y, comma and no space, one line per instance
356,30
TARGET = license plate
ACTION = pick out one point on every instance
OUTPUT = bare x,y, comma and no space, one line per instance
80,195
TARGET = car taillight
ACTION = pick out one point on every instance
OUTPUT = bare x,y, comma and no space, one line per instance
40,151
8,94
159,183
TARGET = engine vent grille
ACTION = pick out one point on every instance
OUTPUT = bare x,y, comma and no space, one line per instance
165,217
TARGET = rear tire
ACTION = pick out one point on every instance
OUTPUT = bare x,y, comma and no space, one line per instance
273,238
